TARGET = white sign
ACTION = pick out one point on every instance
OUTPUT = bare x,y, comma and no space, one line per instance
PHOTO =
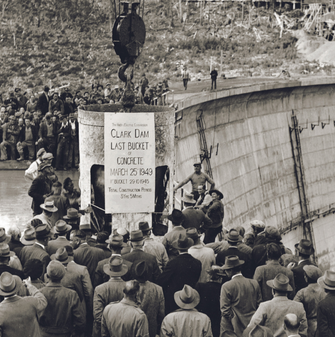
129,162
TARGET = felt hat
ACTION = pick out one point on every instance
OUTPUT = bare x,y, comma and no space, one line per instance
122,231
5,251
312,272
177,216
55,270
232,261
217,192
304,247
136,236
72,214
192,233
207,200
197,163
62,256
141,272
281,282
183,242
257,224
115,240
43,166
49,206
8,284
40,152
327,281
187,298
4,238
61,227
144,226
42,232
233,236
115,267
29,237
188,198
271,232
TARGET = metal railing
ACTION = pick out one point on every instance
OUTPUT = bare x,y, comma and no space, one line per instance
167,98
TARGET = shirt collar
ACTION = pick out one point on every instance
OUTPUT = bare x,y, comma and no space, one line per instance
128,302
39,244
302,261
239,274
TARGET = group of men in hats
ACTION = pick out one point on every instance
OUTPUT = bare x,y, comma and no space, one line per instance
130,284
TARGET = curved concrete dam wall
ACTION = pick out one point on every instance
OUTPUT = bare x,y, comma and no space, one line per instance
272,154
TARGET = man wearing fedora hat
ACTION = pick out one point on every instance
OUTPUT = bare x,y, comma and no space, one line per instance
151,298
60,230
239,297
38,249
194,217
5,255
138,254
311,296
153,247
72,217
115,244
41,187
326,308
125,318
304,249
276,309
48,208
233,238
187,321
196,178
183,269
177,218
18,315
204,254
111,291
63,315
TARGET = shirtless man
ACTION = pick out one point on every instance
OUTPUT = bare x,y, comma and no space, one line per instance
197,178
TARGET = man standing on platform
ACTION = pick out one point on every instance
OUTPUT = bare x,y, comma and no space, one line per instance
214,75
196,178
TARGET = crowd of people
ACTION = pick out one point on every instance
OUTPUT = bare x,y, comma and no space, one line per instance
60,277
30,121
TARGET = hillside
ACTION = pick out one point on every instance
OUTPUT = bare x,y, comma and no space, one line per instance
54,42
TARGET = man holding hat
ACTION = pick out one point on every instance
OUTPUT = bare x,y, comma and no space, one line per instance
194,217
239,297
61,229
111,291
196,178
153,247
183,269
304,249
151,298
311,296
125,318
326,308
18,315
38,249
138,254
204,254
276,309
41,187
32,171
177,218
187,321
63,315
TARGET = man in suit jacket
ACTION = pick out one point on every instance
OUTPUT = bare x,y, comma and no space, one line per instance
194,217
84,254
43,101
183,269
276,309
38,249
305,250
239,298
48,134
60,229
326,308
137,255
18,315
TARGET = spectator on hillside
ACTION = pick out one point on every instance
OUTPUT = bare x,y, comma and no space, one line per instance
143,84
48,134
63,147
214,75
56,104
10,137
27,138
186,77
43,101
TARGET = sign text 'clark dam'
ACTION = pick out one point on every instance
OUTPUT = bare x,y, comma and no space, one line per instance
129,162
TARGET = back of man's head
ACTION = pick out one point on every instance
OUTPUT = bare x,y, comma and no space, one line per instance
291,324
273,251
131,288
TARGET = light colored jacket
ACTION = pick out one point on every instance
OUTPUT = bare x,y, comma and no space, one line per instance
158,250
